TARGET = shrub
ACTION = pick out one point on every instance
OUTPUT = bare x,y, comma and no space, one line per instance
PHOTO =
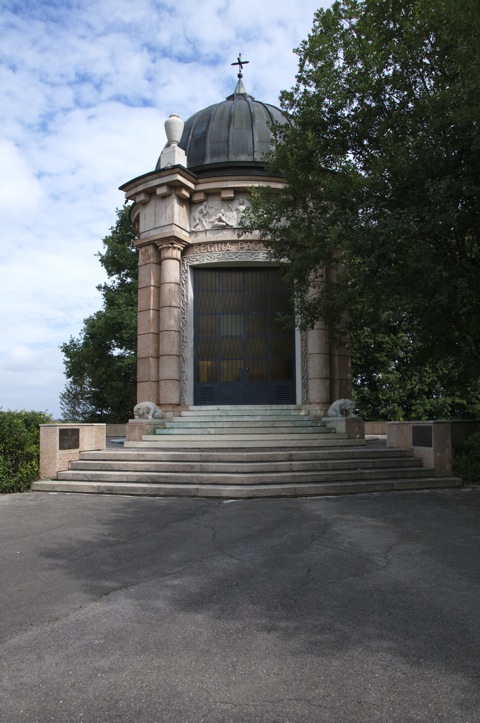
466,463
20,449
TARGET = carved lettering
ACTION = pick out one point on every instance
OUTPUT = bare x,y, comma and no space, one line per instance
231,246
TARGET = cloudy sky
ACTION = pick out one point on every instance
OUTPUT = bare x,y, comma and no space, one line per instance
85,87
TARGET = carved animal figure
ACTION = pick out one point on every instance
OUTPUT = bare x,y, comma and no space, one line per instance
342,408
147,410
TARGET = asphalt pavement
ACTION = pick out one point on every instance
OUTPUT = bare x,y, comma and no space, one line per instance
342,609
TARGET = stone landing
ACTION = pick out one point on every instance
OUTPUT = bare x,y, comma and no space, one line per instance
252,426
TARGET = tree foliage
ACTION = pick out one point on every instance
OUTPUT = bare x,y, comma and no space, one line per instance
20,448
382,161
100,364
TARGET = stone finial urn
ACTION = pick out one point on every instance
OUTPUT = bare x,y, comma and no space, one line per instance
174,129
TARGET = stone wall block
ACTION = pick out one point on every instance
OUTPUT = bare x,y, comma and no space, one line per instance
169,391
169,367
317,342
319,392
170,295
148,255
147,371
170,272
170,319
148,322
147,391
147,345
170,342
148,275
137,428
53,459
319,366
148,298
162,214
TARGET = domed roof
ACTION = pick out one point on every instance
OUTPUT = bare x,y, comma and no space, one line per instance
230,137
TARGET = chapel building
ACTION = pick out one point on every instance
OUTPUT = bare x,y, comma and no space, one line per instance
209,300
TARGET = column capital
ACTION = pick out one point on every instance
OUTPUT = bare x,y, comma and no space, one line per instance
171,248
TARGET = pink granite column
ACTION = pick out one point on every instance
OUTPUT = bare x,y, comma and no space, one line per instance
318,357
170,321
148,323
340,357
340,372
319,366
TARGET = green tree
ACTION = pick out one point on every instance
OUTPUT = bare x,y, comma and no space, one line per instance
382,161
20,448
100,365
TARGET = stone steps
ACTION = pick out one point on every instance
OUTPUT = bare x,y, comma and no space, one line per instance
250,424
246,492
244,474
273,466
243,423
245,452
234,409
364,454
242,478
243,426
228,440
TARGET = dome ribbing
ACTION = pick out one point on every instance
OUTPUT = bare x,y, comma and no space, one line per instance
230,137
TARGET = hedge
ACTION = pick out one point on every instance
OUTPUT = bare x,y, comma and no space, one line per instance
20,448
466,462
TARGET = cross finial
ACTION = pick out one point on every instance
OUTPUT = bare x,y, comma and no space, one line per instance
240,63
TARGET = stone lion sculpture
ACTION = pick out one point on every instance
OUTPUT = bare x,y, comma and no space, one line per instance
342,408
147,410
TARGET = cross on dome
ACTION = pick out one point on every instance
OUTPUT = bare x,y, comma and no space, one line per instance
240,63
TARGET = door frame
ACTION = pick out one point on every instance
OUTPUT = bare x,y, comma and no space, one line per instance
192,259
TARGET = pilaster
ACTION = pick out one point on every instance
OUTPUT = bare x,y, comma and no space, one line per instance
148,323
169,367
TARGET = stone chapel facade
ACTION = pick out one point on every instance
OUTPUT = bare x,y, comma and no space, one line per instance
208,300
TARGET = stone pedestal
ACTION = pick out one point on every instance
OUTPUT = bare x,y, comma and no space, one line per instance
353,427
61,444
430,440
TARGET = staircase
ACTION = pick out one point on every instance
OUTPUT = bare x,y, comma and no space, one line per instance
249,427
245,452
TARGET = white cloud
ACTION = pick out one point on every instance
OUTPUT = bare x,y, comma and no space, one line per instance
17,182
84,91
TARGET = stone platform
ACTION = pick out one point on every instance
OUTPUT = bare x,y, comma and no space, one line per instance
243,453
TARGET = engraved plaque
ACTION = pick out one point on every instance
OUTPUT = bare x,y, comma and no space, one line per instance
69,438
422,435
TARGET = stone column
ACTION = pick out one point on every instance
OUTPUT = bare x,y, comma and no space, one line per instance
319,366
170,320
148,323
318,345
340,372
340,358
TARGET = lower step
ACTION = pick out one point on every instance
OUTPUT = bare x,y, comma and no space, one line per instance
243,442
249,492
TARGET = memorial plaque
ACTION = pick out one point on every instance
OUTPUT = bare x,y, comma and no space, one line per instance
69,438
422,435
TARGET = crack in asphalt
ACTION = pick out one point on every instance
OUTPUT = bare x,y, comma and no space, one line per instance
121,587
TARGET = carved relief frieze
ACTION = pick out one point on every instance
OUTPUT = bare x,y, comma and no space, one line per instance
217,214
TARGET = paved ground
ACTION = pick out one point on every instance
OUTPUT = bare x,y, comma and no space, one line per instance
360,608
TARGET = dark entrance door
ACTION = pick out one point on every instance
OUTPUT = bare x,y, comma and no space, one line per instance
243,353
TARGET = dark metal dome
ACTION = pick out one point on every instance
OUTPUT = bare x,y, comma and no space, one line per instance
231,137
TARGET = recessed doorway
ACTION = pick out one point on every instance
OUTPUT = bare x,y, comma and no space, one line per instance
243,353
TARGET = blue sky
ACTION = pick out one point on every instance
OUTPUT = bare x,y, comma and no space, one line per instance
85,87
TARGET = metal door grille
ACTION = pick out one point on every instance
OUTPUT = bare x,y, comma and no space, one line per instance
243,352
